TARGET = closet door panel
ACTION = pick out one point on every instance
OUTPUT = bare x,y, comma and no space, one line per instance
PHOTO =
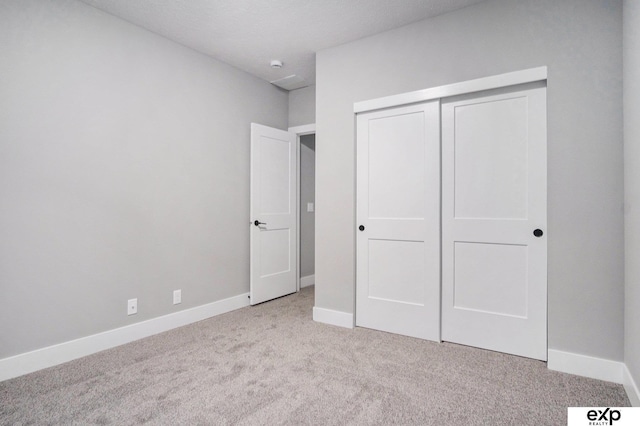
398,219
494,243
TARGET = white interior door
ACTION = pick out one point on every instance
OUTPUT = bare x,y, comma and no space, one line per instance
273,213
494,219
398,215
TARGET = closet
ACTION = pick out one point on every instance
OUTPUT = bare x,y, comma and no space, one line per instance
451,214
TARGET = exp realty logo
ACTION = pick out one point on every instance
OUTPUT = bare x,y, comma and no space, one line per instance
603,416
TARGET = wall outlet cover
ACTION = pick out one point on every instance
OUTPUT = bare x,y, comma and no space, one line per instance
132,306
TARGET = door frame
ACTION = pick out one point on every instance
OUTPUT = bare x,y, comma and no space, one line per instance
307,129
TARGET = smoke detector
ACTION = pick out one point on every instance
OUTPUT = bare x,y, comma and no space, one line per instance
277,64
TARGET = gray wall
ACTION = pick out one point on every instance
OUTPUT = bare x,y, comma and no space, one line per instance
124,172
302,106
581,43
632,185
307,195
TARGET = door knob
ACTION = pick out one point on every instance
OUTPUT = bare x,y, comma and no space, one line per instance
258,223
538,233
361,227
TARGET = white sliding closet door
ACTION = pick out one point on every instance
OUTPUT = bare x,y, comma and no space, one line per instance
494,243
398,219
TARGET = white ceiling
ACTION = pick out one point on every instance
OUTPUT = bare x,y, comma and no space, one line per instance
249,33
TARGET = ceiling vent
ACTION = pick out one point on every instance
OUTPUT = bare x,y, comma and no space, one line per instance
290,83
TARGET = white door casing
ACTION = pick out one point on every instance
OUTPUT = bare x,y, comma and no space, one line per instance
398,211
494,189
273,257
299,131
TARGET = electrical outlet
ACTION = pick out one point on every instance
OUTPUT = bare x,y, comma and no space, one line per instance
132,306
177,296
310,207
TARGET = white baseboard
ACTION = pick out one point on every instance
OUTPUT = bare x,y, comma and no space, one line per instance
57,354
307,281
631,387
329,316
586,366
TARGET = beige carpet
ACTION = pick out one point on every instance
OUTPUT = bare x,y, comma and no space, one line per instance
271,364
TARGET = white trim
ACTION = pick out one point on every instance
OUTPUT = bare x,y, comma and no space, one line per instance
308,280
329,316
298,198
303,130
486,83
631,387
57,354
584,365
